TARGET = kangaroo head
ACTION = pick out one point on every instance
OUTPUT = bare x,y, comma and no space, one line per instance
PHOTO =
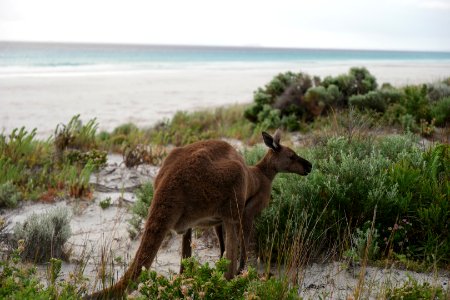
283,158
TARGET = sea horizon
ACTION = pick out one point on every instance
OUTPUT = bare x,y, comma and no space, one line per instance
53,55
212,46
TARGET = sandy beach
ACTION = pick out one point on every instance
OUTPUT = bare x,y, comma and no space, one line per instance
42,99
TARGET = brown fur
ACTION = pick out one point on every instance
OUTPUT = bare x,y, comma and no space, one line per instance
208,184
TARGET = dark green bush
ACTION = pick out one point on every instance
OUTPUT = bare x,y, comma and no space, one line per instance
274,94
358,81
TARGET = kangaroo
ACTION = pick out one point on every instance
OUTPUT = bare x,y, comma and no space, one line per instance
203,184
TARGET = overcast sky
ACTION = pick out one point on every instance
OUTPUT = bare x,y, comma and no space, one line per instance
360,24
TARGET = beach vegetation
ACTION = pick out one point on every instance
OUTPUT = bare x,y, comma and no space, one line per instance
42,236
141,154
293,101
412,290
205,282
350,181
9,195
105,203
139,210
372,196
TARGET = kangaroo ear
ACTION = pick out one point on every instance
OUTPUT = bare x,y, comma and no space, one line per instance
271,142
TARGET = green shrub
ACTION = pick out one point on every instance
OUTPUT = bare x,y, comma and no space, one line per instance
440,111
273,94
44,235
409,123
358,81
318,99
9,195
203,282
139,210
377,100
394,113
416,102
350,179
438,91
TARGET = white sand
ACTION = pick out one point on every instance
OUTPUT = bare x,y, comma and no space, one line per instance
42,100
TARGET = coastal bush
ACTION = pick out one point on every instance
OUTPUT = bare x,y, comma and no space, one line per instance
440,112
9,195
350,180
290,95
377,100
358,81
51,229
416,102
284,92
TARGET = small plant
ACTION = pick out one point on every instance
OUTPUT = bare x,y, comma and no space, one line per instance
140,154
360,246
54,269
412,290
9,195
105,203
76,180
44,235
95,157
20,281
139,210
270,289
75,135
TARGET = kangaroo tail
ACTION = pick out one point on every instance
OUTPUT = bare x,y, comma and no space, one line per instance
156,228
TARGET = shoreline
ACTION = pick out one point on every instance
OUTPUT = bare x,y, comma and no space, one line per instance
120,94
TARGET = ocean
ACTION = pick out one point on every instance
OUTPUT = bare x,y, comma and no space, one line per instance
21,56
45,84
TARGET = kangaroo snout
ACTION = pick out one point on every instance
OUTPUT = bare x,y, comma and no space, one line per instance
308,167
